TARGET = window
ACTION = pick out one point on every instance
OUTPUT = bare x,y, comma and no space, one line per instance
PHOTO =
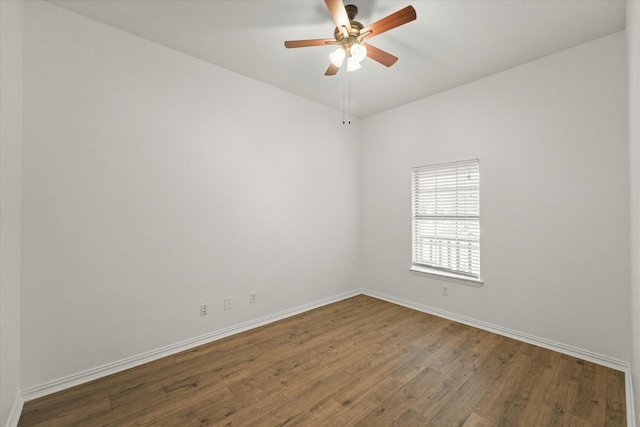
446,220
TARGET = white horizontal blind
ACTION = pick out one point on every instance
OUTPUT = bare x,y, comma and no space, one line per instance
446,217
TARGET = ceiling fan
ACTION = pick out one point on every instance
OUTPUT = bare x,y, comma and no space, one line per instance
349,36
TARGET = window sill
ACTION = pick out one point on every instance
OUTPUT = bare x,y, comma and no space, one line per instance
443,275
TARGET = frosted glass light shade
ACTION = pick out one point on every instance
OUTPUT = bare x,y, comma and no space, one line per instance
352,64
358,52
337,56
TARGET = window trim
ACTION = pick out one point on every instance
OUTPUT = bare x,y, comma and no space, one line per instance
434,271
445,275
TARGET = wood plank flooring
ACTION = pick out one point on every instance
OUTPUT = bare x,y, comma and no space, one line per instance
358,362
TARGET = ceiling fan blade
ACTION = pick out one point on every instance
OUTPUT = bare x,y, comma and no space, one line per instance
306,43
338,13
332,70
380,55
392,21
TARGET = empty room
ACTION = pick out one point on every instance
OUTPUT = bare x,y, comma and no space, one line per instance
316,212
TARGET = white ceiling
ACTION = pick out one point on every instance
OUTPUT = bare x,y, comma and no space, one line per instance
451,43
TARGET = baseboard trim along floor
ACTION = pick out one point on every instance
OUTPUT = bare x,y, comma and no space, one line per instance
599,359
121,365
131,362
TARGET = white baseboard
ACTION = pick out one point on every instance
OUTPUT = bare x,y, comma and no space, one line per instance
131,362
599,359
16,410
631,419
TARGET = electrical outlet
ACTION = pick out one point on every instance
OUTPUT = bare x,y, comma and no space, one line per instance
227,303
253,297
445,291
204,309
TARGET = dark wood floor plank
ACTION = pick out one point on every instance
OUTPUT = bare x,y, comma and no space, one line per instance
361,361
175,412
411,418
616,405
591,399
318,387
371,388
251,414
499,400
326,408
290,414
352,415
81,416
534,386
476,420
460,406
403,399
561,394
458,367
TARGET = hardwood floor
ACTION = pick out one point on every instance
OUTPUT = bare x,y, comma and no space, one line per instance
361,362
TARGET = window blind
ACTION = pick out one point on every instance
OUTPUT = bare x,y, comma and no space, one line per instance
446,217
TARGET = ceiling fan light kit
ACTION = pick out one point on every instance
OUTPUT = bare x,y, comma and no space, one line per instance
358,52
337,56
349,36
354,56
353,65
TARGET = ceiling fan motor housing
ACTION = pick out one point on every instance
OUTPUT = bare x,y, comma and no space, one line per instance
346,40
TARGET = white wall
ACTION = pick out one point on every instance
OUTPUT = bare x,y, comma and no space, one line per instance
633,49
11,22
551,138
154,182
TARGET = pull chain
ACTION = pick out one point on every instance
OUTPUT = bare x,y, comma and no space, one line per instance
346,98
349,103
